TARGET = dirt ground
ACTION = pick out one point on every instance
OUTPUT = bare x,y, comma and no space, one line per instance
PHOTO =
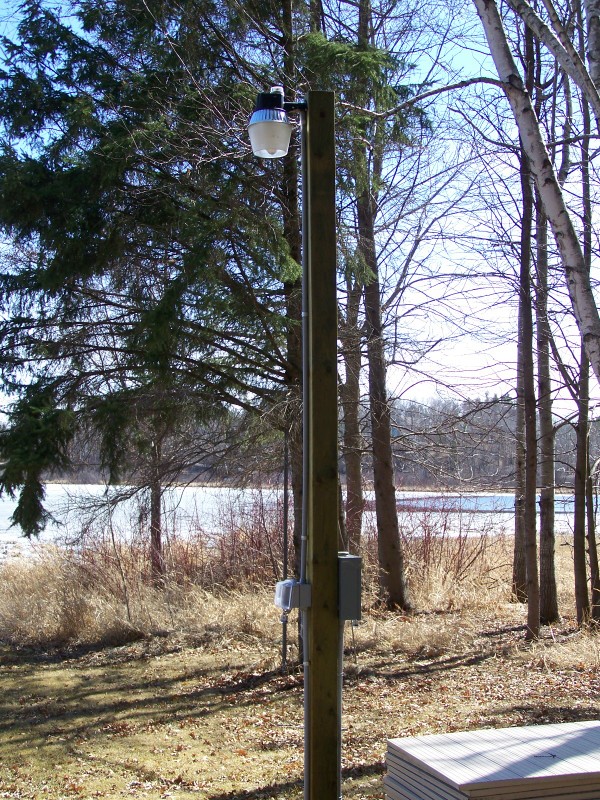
170,717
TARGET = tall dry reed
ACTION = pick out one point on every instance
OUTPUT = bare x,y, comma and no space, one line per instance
219,587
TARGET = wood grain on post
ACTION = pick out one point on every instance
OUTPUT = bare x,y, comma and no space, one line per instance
323,735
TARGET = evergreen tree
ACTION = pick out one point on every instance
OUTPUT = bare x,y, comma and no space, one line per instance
142,287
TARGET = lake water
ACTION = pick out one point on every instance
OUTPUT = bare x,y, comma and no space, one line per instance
499,503
83,507
75,508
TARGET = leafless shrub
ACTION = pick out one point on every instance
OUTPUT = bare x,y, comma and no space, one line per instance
447,565
220,586
55,600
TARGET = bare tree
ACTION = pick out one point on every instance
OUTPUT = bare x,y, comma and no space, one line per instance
551,196
351,351
529,397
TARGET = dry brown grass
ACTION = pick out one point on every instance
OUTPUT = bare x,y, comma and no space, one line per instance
111,688
101,592
60,600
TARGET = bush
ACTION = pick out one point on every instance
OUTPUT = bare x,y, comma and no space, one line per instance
99,589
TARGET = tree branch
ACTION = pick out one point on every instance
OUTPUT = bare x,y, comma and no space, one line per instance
420,97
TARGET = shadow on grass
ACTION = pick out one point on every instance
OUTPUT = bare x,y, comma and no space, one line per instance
545,714
116,650
417,664
381,669
89,702
82,706
279,789
85,708
97,700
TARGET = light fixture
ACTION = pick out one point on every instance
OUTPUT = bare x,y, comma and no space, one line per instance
269,128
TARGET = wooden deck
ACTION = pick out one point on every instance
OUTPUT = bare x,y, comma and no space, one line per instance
529,763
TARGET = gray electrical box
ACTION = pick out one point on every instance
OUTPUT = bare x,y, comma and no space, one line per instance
349,586
292,594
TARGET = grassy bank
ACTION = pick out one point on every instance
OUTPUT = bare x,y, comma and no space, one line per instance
111,688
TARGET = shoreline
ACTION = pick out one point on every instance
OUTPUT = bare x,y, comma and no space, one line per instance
203,509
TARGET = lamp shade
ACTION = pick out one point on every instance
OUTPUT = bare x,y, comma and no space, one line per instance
269,128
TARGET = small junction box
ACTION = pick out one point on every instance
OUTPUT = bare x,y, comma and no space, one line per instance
291,594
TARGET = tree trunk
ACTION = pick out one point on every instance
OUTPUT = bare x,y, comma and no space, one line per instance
582,600
293,299
548,592
519,572
350,338
529,402
591,541
592,18
391,558
577,277
389,547
560,46
548,595
531,564
157,561
592,40
582,533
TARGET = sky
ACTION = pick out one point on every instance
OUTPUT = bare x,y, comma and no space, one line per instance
472,364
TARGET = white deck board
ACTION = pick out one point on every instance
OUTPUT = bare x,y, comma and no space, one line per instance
395,792
433,788
495,762
404,771
403,783
425,787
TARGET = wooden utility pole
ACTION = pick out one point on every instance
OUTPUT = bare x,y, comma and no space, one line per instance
270,131
323,746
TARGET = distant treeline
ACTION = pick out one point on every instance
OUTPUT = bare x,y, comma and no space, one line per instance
471,442
444,444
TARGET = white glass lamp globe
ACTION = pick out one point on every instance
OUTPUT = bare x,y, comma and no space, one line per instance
269,128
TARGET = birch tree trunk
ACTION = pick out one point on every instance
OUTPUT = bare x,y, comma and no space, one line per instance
592,19
561,48
571,253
